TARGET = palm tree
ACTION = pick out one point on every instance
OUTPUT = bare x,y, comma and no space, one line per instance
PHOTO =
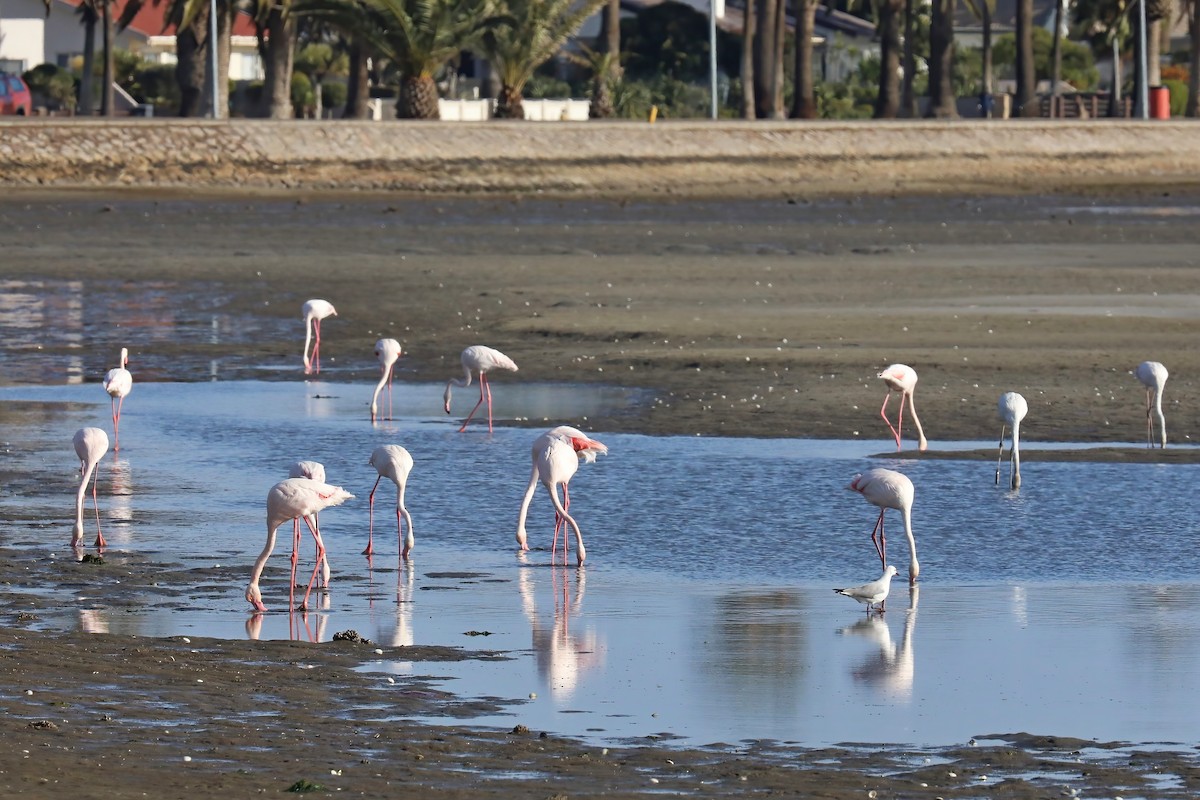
418,36
276,25
610,45
1026,99
890,14
190,18
941,60
528,34
600,64
804,101
1193,101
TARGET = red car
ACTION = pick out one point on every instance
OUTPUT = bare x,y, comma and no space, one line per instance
14,96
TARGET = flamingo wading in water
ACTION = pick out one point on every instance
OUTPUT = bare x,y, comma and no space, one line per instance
313,470
1013,409
314,311
90,445
585,447
903,379
387,351
294,499
117,382
393,462
1153,376
886,489
478,358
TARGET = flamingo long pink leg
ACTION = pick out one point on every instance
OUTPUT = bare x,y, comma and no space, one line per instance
370,551
482,387
881,542
295,560
1149,421
317,568
888,422
559,522
316,354
484,381
900,421
95,504
116,416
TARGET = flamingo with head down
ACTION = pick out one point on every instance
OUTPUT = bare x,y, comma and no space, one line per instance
90,445
552,468
886,488
314,311
393,462
903,379
481,360
387,351
118,382
1153,376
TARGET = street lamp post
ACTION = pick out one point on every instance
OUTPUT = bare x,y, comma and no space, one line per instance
212,60
716,9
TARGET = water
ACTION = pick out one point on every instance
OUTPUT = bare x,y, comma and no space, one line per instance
704,611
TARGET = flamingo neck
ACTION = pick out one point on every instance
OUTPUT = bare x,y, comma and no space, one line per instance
922,444
914,568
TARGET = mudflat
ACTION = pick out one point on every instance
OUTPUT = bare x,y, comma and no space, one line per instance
757,318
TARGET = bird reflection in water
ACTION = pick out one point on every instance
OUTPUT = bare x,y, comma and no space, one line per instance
396,631
120,508
299,625
891,669
92,620
563,655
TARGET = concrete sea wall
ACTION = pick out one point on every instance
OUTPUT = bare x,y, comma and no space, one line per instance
768,159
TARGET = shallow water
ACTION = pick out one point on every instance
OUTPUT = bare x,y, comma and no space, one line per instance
705,609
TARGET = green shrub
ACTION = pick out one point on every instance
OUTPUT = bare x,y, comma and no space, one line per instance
155,84
303,97
333,97
1179,96
53,86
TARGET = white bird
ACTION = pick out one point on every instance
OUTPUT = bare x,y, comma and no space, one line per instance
393,462
314,311
387,351
886,489
90,445
117,382
874,592
903,379
1153,376
480,359
584,446
1013,409
315,471
294,499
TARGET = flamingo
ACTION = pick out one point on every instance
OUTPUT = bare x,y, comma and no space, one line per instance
480,359
584,446
314,311
90,445
886,489
874,592
118,382
903,379
393,462
1153,376
313,470
294,499
1013,409
387,351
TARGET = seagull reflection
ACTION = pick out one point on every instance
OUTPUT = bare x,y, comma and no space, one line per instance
563,656
92,620
891,669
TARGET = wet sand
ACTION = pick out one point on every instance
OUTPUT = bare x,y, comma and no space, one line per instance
759,318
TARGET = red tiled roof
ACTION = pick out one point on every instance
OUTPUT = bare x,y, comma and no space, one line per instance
149,21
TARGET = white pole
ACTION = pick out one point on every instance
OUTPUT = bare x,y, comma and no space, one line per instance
1143,92
212,49
712,54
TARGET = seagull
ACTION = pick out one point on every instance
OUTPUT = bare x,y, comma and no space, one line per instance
873,592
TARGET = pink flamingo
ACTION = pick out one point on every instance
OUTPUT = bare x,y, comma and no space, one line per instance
313,470
479,359
387,351
314,311
90,445
393,462
117,382
294,499
903,379
886,489
1012,408
1153,376
556,455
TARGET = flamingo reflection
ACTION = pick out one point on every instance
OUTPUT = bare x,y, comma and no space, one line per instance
396,631
93,620
891,669
120,509
299,625
563,655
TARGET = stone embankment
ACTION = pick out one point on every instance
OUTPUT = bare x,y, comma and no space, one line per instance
693,158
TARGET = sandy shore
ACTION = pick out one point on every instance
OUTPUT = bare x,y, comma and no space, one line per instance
765,318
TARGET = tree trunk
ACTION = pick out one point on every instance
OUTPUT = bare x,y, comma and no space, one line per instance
1115,107
87,82
804,100
1193,101
1056,49
106,90
509,105
190,67
764,59
749,34
1154,52
908,99
358,85
418,98
277,66
1026,99
988,101
225,13
941,61
609,41
610,29
780,43
887,102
